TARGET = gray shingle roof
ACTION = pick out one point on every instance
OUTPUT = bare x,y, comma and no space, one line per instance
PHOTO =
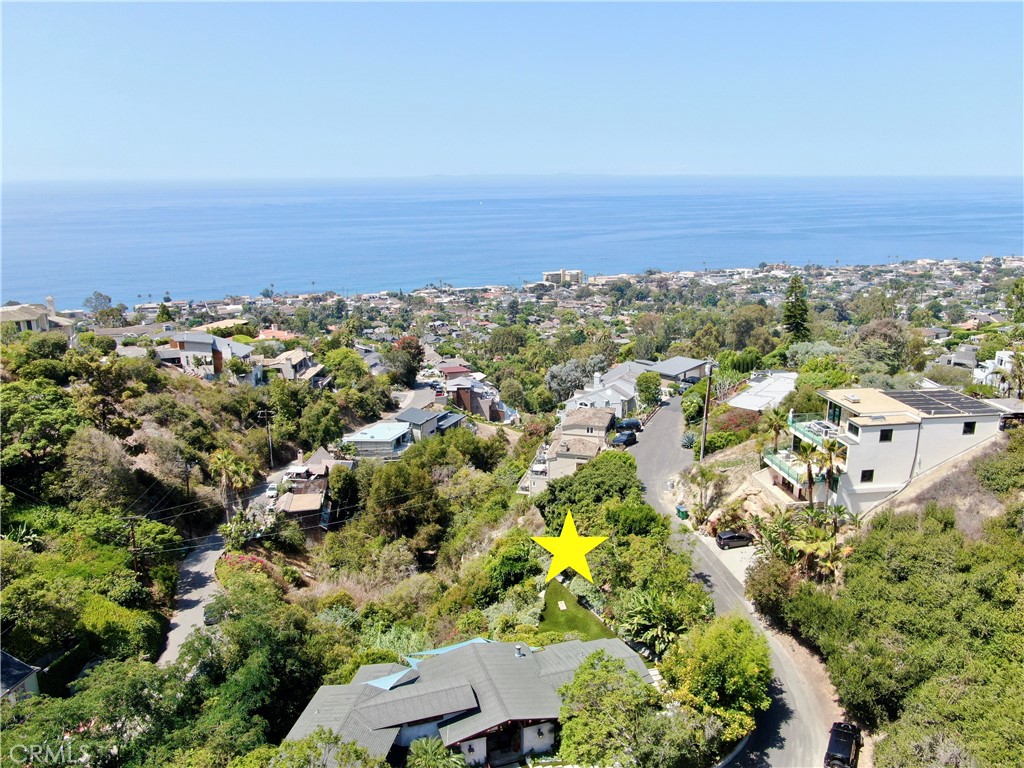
422,701
416,416
676,366
12,671
478,685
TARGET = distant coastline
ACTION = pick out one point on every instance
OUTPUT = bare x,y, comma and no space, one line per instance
197,241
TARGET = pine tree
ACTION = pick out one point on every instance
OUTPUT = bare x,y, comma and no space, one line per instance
795,311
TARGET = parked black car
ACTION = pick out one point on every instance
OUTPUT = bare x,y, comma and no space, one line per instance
732,539
624,438
844,743
631,425
691,380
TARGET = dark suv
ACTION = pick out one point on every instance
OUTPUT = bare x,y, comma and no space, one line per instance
844,743
632,425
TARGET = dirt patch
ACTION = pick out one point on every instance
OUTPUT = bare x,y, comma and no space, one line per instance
485,430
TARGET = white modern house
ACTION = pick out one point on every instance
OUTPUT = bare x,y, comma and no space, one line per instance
886,439
989,371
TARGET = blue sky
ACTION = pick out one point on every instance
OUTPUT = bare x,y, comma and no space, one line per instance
234,91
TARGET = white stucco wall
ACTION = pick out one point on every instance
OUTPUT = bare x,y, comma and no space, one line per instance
892,462
479,754
532,742
409,733
943,438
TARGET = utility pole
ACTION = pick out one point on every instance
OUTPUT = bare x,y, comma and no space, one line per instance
133,549
267,414
709,369
187,465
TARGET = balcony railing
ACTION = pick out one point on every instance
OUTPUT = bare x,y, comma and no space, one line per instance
787,463
814,428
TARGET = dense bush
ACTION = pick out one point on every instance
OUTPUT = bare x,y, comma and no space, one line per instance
119,632
925,624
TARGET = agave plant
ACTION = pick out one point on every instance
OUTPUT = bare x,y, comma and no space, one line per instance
689,440
26,537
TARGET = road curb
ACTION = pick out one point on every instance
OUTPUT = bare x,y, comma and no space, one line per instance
734,754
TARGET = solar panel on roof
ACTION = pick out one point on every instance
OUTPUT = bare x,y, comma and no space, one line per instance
943,402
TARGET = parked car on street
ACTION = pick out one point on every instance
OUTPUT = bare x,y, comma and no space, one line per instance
272,491
624,438
630,425
733,539
844,743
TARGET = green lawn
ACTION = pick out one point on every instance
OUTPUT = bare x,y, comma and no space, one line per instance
574,618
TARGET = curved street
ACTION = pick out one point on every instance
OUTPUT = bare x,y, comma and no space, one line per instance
197,585
793,733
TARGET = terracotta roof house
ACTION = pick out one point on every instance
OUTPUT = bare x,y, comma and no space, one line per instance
494,702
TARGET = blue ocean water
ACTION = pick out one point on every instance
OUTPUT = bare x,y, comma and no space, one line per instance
211,240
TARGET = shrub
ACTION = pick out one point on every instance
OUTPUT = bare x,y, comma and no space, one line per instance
121,632
292,575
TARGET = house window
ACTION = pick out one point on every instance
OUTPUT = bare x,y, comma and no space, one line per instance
969,427
885,436
853,429
590,430
867,475
833,484
835,413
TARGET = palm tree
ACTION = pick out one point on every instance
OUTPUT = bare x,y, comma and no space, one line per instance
836,514
809,453
703,476
832,452
658,619
776,422
432,753
1015,376
235,475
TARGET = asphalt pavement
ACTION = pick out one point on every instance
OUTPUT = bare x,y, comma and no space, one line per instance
197,585
793,733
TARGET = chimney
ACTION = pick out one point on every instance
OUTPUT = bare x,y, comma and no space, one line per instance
50,306
597,380
301,455
519,652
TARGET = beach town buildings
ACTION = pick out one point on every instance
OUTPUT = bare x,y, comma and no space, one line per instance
884,439
494,702
564,277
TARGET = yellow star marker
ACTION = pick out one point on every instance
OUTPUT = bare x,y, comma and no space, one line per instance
569,550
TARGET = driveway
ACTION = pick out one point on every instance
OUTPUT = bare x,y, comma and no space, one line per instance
196,587
793,733
419,396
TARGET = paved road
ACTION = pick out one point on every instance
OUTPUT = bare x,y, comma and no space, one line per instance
793,733
196,587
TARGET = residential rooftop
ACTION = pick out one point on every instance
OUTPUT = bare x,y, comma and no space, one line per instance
382,431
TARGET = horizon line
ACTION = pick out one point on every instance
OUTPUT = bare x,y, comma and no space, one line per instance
491,176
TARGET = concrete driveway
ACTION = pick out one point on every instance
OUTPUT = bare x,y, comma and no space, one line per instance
793,733
197,585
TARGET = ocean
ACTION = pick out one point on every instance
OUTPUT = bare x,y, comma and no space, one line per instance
205,240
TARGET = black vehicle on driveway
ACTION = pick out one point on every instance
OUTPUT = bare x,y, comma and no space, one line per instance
623,439
631,425
733,539
844,743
